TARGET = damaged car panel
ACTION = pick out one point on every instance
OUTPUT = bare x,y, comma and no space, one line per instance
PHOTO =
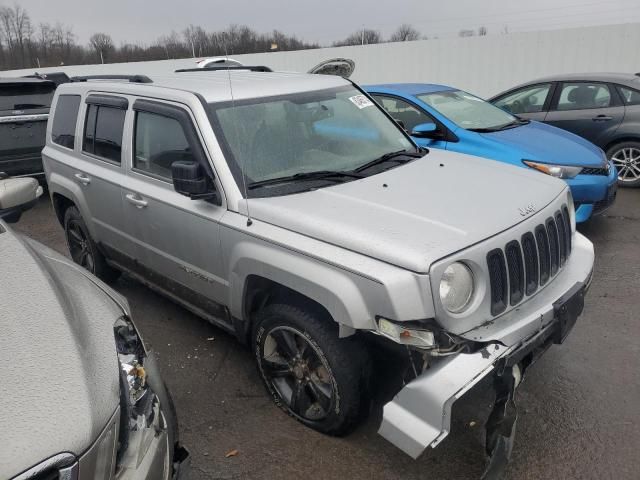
98,408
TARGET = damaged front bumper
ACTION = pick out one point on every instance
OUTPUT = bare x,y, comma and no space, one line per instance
420,414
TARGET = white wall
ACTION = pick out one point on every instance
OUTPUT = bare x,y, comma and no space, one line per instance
482,65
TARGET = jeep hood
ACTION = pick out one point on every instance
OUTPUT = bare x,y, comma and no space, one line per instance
58,362
418,213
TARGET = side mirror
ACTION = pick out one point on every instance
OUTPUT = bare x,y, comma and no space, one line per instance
190,180
17,195
426,130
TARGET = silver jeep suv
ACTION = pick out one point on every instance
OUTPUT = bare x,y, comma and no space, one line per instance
291,210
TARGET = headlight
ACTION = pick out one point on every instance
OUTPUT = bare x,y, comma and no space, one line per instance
558,171
456,287
139,406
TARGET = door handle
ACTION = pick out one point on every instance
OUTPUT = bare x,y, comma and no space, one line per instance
82,178
136,199
602,118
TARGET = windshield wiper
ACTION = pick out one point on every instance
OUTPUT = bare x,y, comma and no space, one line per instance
333,175
513,124
391,156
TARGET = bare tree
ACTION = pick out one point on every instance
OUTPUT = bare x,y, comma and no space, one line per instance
361,37
16,30
405,33
482,31
102,44
466,33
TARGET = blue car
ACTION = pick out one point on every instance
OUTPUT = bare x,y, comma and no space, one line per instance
438,116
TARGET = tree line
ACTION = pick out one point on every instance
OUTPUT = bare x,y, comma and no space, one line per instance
26,45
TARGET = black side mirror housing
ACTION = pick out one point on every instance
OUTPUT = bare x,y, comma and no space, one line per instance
190,180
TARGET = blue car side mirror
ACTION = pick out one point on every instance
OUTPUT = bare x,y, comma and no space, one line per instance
425,130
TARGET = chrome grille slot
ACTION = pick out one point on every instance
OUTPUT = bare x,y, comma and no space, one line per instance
523,266
554,250
515,269
530,255
498,281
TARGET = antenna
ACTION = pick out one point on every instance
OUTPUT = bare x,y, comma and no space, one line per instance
233,107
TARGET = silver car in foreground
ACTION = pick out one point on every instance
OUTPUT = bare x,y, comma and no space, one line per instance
292,211
81,397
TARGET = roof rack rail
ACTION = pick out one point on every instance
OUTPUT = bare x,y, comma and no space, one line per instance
130,78
254,68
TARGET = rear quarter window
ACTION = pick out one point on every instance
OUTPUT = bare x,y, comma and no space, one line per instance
63,130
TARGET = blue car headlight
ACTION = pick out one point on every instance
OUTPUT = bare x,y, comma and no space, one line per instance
558,171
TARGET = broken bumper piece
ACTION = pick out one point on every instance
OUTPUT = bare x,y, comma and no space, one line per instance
420,414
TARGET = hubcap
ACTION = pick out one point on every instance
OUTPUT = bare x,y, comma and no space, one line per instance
627,161
295,370
79,246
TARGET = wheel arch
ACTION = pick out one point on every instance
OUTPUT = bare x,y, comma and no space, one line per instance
619,140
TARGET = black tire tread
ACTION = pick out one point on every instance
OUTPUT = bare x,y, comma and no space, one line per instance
347,357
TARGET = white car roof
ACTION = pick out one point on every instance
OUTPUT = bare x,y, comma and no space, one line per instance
213,86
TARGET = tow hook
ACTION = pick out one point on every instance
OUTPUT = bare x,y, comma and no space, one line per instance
501,425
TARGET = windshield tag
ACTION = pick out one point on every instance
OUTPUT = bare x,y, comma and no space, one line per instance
361,101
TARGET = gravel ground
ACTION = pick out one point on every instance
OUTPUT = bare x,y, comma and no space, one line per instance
579,406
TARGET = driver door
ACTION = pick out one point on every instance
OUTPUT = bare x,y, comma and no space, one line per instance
408,116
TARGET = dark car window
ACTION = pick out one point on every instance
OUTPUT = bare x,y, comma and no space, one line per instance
584,95
103,132
526,100
403,111
159,141
63,130
25,96
629,95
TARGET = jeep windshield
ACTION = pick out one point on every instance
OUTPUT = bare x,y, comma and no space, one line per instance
298,142
470,112
25,96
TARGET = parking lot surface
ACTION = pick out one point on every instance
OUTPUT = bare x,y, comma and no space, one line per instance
579,407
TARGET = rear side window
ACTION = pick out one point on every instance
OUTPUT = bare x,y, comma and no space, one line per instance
63,131
159,141
629,96
103,132
582,95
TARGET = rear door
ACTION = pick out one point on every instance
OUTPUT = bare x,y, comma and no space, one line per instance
592,110
97,169
24,110
531,102
178,238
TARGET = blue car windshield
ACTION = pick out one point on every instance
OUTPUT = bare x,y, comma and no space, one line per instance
468,111
336,130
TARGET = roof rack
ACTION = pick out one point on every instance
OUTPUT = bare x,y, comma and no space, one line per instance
255,68
129,78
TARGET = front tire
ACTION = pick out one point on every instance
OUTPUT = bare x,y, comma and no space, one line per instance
314,376
83,249
626,158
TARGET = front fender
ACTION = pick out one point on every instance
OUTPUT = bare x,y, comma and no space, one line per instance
337,290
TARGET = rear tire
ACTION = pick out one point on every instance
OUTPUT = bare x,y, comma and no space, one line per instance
83,249
314,376
626,157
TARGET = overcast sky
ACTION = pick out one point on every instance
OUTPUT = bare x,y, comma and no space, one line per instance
322,20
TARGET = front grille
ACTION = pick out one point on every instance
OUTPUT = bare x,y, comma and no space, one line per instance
523,266
595,171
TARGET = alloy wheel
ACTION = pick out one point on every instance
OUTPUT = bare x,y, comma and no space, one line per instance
627,161
79,247
298,373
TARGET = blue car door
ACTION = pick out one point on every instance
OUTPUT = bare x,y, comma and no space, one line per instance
408,116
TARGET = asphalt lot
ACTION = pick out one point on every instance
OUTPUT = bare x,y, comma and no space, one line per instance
579,406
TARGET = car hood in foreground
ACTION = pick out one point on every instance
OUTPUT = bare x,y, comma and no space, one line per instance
548,144
58,362
416,214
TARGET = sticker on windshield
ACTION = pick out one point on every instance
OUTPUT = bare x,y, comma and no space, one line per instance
361,101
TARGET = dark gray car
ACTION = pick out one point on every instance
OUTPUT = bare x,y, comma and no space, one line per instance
604,108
